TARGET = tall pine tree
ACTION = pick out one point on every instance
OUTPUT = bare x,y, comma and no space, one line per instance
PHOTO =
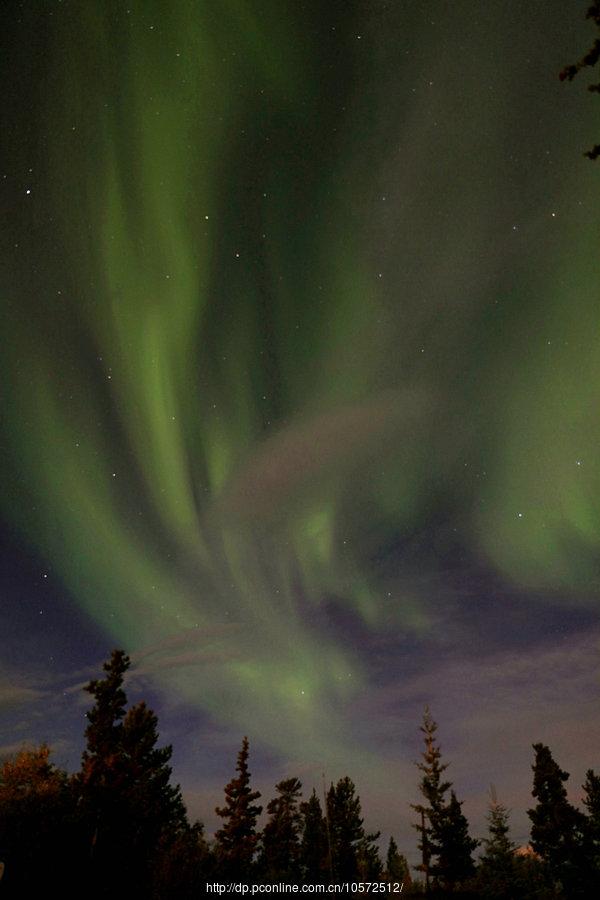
237,840
128,807
591,801
455,864
280,857
153,801
105,723
433,788
557,827
352,849
446,848
100,783
314,847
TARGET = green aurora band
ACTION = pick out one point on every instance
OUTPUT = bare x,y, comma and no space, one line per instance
251,345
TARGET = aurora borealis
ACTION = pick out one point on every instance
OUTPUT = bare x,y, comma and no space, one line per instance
300,383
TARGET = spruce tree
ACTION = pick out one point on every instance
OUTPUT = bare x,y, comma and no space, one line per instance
156,804
446,848
280,857
455,864
433,788
100,783
558,828
498,869
396,866
351,847
128,807
236,841
314,847
105,718
591,802
368,861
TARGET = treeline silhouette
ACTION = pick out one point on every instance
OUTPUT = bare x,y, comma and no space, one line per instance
589,59
118,828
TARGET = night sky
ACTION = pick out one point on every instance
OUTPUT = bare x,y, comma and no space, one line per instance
300,385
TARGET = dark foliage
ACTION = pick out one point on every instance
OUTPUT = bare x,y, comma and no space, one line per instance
589,59
37,822
591,801
558,829
396,866
498,873
352,850
128,808
236,841
280,857
315,859
118,827
433,789
455,864
445,845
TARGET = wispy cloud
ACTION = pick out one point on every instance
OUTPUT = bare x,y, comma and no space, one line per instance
17,690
